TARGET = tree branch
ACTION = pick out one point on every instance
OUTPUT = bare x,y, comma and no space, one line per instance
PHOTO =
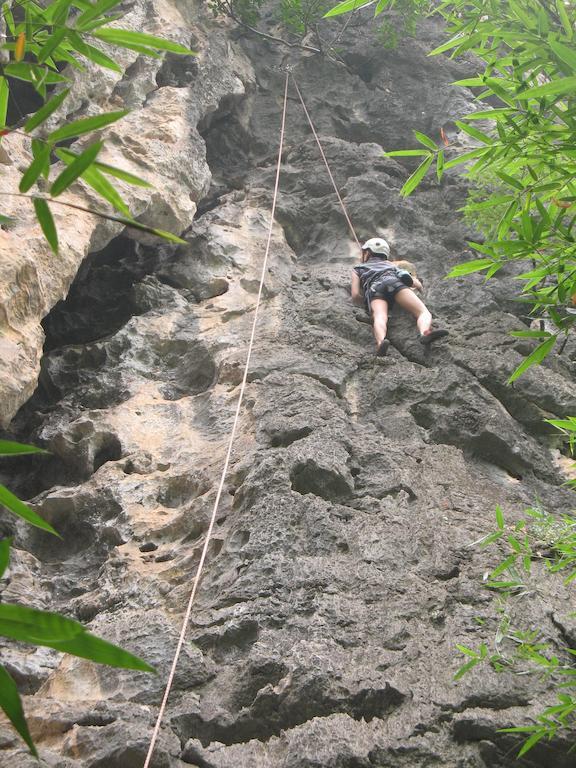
230,13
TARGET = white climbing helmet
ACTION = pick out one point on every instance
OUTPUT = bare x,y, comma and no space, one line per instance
377,245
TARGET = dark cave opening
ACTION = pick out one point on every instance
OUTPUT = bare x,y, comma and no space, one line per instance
100,300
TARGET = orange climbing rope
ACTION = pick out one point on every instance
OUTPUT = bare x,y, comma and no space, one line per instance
344,211
196,582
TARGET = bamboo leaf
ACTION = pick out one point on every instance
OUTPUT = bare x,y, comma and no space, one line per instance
416,177
4,555
564,85
12,707
425,140
97,181
46,222
75,169
564,53
55,39
18,508
86,125
45,111
125,38
407,153
477,265
4,94
35,168
63,634
129,178
92,53
535,358
94,11
10,448
346,6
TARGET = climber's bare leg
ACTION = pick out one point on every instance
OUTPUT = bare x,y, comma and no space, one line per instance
379,320
408,300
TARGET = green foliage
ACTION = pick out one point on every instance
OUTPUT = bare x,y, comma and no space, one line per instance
299,16
44,628
546,540
39,45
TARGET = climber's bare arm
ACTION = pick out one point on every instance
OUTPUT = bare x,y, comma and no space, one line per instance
357,297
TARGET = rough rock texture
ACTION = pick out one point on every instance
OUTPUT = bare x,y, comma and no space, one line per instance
340,573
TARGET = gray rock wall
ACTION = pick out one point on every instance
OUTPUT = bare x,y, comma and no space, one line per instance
340,573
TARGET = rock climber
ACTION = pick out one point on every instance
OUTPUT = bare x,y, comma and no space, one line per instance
378,284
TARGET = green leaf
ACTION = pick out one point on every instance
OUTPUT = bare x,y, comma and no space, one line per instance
346,6
467,651
9,19
4,555
452,43
557,87
4,94
45,111
18,508
499,518
474,132
407,153
46,222
98,9
466,668
535,358
440,165
477,265
90,647
565,54
129,178
35,169
97,181
425,140
55,39
75,169
54,631
416,177
12,706
30,73
529,743
92,53
31,625
126,38
504,566
86,125
464,158
530,334
10,448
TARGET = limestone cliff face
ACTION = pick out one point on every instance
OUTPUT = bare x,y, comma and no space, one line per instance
340,574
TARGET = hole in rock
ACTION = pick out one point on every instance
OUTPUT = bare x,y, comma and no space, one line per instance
177,491
110,451
177,71
309,477
100,299
284,438
227,141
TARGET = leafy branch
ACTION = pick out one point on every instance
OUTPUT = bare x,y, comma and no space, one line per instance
37,48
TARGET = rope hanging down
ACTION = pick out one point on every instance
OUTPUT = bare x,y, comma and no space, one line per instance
229,452
344,211
196,582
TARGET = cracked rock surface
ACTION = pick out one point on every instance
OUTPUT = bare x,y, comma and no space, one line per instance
340,574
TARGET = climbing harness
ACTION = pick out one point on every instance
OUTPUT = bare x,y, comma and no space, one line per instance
196,582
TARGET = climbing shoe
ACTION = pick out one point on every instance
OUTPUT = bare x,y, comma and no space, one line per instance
383,348
432,336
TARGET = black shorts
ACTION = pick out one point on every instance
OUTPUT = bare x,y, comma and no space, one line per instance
386,288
